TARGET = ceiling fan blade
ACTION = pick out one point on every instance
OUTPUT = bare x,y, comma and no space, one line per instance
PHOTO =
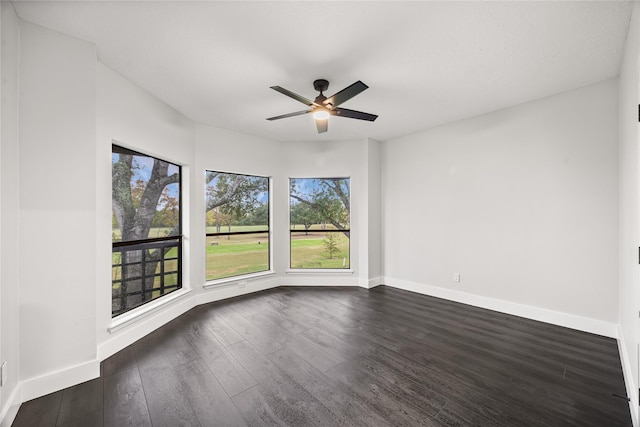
353,114
295,96
322,125
284,116
346,94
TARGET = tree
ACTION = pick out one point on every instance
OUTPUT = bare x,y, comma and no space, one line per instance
259,215
169,215
134,207
304,214
235,196
228,188
219,218
329,197
331,243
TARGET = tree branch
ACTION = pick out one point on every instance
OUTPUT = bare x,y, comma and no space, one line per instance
319,208
230,193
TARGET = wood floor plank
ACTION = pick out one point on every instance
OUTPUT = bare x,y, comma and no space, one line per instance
121,361
93,419
210,402
124,400
290,396
378,396
499,412
41,412
255,404
347,407
221,330
319,357
80,400
168,405
341,356
226,369
267,338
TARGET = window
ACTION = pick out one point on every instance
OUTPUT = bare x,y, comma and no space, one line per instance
146,229
319,222
237,220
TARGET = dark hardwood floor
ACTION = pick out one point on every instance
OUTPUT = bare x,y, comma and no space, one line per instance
348,356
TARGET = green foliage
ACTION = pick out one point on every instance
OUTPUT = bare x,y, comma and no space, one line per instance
233,199
331,244
327,198
169,214
257,216
305,214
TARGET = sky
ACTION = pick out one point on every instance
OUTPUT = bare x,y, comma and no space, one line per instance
306,186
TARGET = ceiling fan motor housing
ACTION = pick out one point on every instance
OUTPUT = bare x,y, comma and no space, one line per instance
321,85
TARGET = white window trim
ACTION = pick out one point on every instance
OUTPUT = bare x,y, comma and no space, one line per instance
235,279
344,271
145,310
218,283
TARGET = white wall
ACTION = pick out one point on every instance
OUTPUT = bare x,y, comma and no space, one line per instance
521,202
629,191
131,117
57,206
9,211
374,214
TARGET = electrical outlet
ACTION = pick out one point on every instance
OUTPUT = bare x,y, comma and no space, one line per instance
3,373
456,277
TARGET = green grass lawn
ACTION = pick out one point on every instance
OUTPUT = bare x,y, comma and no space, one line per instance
234,255
308,251
229,256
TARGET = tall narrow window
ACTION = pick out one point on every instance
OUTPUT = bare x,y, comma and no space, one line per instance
237,220
319,222
146,229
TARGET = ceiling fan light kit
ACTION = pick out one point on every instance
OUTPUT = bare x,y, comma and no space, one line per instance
323,107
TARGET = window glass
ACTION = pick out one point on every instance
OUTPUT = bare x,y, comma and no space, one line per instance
237,222
319,222
146,229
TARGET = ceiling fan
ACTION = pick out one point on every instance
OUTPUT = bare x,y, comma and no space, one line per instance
323,107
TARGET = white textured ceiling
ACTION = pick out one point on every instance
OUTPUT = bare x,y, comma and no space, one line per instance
426,63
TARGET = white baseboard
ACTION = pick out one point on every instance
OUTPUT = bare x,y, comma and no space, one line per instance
10,409
300,280
629,380
566,320
45,384
370,283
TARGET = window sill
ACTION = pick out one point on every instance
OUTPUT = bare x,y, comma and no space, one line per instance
345,271
236,279
144,310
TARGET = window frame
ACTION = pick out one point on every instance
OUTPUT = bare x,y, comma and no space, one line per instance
150,242
243,276
345,270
